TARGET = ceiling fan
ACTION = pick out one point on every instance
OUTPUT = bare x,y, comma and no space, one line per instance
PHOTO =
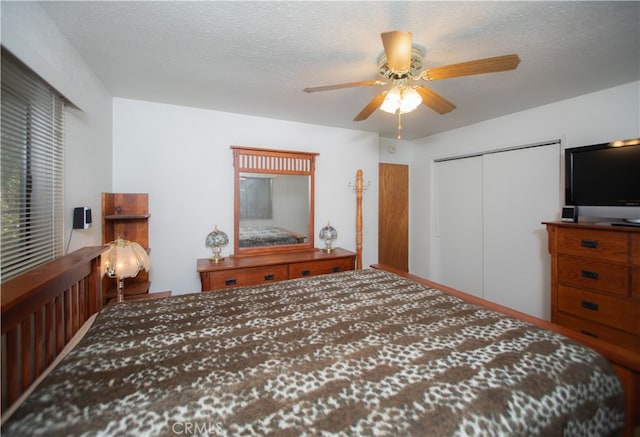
400,65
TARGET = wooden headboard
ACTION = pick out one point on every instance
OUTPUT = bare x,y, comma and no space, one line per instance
41,311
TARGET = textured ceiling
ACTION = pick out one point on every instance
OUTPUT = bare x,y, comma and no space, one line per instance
256,57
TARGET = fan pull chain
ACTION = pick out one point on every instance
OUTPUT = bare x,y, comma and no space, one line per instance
399,125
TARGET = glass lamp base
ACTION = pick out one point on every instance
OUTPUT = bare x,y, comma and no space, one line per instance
120,295
216,257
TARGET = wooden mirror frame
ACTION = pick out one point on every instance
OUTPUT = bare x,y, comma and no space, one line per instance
271,161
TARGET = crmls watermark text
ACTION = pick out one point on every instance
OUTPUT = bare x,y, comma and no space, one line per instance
197,428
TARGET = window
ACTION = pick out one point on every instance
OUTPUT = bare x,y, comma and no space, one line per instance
255,198
31,162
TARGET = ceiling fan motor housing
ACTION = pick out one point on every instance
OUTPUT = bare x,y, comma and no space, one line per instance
387,73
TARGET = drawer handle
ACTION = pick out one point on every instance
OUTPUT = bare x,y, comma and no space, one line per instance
269,277
590,334
589,305
589,244
306,272
589,274
335,269
230,282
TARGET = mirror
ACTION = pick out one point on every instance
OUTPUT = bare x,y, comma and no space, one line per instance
273,200
274,210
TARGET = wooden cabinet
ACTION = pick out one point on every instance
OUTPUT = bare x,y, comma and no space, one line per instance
155,295
126,215
595,280
258,269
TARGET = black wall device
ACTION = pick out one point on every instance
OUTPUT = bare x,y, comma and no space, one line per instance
570,214
81,217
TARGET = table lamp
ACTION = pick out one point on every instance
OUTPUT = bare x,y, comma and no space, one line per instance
215,240
124,259
328,234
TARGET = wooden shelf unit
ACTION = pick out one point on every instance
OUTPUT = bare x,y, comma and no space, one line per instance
126,215
156,295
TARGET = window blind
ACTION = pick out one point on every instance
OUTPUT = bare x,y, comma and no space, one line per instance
31,162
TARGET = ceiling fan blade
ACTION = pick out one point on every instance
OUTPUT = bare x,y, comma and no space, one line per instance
434,100
397,47
371,106
480,66
343,85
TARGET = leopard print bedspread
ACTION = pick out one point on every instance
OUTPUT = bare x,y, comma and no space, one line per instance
258,236
354,353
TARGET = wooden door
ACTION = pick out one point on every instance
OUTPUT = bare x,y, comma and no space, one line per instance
393,216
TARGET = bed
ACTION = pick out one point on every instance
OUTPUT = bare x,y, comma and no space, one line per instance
258,236
364,352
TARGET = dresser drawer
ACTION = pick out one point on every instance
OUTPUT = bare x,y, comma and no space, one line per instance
635,283
622,314
320,267
612,246
581,272
635,249
252,276
602,332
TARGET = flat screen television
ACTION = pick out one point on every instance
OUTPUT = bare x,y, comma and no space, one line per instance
603,180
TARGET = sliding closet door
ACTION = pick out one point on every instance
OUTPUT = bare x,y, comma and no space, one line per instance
521,190
489,237
458,215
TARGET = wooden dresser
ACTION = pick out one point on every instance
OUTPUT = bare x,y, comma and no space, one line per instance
595,280
257,269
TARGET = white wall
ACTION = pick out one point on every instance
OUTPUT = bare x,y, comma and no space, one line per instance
597,117
181,157
30,35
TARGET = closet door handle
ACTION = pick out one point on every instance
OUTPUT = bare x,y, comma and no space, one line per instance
269,277
589,274
230,282
589,244
589,305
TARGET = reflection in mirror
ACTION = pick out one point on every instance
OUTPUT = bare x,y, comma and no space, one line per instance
255,198
273,200
274,209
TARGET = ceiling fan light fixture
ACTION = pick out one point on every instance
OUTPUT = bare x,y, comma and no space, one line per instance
391,102
404,99
400,65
